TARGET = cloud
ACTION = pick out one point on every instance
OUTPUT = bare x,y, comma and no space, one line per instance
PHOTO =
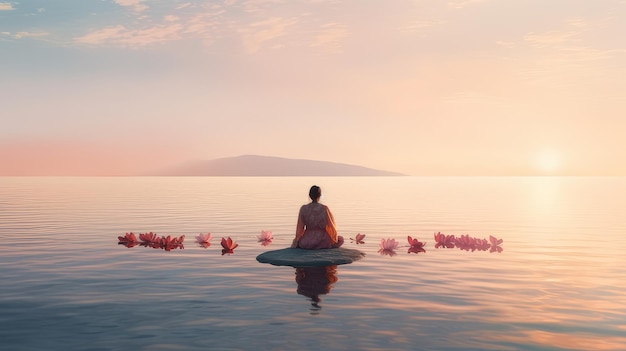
568,43
22,35
120,35
6,6
421,27
136,5
569,56
459,4
256,6
145,31
258,33
330,36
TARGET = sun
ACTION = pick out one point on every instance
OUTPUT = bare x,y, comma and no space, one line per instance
548,162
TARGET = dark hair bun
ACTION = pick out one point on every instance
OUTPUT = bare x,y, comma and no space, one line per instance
315,192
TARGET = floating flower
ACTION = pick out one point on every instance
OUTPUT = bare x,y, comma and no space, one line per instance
416,245
128,240
265,238
203,239
443,240
229,245
180,241
148,238
388,244
169,243
388,247
359,238
482,244
495,244
465,242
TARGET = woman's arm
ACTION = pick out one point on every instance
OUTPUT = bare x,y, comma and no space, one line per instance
299,228
331,229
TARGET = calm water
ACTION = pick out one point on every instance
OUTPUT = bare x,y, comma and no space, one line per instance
560,282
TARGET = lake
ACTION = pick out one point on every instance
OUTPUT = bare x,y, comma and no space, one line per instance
558,284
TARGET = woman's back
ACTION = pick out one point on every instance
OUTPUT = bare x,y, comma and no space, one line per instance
316,225
314,215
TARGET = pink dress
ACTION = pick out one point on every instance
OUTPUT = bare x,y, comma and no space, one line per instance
316,228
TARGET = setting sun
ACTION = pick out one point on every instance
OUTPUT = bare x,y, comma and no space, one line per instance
548,162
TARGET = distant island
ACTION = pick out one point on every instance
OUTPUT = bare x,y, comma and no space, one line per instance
254,165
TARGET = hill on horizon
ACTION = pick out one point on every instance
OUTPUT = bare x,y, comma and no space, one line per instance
255,165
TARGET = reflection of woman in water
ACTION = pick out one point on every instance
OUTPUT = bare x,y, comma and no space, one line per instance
316,225
315,281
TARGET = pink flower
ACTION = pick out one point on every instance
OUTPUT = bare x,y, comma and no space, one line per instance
388,247
416,245
169,243
265,238
465,242
204,239
495,244
128,237
148,238
443,240
482,244
388,244
179,241
128,240
229,245
359,238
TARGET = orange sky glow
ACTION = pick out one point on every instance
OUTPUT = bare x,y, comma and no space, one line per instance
455,87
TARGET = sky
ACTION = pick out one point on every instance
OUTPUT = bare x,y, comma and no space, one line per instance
421,87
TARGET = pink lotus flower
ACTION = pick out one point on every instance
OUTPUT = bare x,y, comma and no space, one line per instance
203,239
416,245
388,244
495,244
388,247
229,245
147,238
443,240
169,243
482,244
130,237
265,238
359,238
128,240
179,241
465,242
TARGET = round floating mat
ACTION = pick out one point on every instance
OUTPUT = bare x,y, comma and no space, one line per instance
310,258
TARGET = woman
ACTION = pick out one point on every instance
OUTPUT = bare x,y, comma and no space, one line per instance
316,225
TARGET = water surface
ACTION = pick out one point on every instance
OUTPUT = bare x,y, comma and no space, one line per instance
67,285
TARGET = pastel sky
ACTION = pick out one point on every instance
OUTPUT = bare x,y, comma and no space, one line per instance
423,87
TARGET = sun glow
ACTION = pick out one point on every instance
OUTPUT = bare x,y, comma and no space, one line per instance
548,162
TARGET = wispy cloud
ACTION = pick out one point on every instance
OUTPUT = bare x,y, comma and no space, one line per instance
135,5
6,6
23,35
330,37
255,6
120,35
459,4
566,56
259,33
421,27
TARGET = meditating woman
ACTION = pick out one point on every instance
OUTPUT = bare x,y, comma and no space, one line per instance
316,225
